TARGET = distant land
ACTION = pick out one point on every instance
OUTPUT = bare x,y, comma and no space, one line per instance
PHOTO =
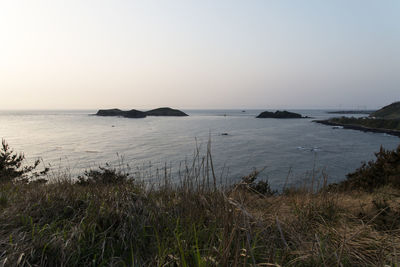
351,112
280,115
133,113
384,120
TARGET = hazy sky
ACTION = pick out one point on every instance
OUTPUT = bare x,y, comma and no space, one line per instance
199,54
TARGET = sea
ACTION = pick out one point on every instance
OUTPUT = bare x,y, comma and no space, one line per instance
288,151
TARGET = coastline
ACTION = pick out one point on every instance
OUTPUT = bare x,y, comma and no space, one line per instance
359,127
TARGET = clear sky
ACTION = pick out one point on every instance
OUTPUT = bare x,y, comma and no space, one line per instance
199,54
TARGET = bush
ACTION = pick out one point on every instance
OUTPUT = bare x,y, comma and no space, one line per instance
261,187
385,170
105,175
11,168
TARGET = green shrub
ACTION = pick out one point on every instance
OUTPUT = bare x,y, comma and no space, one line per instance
385,170
261,187
104,175
11,168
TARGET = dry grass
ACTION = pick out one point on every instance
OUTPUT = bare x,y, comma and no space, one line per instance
65,224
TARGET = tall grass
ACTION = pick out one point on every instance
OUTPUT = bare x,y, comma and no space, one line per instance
112,218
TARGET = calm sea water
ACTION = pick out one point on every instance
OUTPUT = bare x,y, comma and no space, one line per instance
77,141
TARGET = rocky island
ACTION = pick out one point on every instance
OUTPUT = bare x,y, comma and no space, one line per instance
384,120
133,113
280,115
166,112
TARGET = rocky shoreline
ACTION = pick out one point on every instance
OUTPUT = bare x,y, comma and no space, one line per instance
359,128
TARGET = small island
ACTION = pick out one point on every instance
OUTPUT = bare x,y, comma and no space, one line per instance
166,112
135,114
385,120
280,115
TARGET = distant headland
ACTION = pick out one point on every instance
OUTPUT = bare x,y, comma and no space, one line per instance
384,120
351,112
136,114
280,115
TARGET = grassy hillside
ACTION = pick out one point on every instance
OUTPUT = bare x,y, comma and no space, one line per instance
391,112
125,225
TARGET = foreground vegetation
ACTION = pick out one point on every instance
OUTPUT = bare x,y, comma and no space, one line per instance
108,217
